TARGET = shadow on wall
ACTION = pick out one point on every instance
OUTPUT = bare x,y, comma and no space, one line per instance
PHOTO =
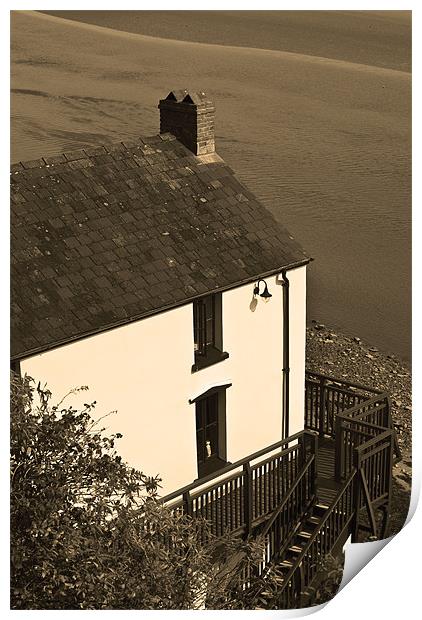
253,304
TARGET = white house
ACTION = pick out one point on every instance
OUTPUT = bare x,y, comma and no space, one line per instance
148,272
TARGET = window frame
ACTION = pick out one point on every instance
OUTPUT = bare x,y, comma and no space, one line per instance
208,338
214,397
15,366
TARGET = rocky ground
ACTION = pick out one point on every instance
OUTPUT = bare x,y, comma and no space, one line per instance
334,354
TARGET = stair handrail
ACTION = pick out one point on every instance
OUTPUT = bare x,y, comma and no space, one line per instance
377,427
317,530
375,439
370,401
280,508
344,382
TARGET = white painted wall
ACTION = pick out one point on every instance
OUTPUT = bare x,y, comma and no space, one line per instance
297,305
144,371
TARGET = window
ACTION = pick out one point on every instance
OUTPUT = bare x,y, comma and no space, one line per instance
210,418
208,331
16,367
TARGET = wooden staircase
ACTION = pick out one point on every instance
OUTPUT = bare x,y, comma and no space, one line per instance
302,536
355,455
306,494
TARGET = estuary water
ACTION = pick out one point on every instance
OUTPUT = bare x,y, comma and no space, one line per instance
313,113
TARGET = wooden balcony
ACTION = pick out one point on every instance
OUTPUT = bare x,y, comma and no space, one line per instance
242,496
307,493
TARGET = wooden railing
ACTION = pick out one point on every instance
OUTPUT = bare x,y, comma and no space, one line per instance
327,397
332,530
271,491
349,412
373,460
284,520
357,426
359,419
368,485
267,493
244,495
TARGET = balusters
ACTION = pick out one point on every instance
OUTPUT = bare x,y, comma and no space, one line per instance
255,510
248,507
232,504
187,503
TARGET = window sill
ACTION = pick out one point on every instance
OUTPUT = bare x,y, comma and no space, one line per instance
211,465
213,357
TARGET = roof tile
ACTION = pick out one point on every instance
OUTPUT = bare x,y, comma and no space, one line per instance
112,233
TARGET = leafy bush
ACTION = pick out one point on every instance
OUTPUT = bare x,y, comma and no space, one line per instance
88,531
328,583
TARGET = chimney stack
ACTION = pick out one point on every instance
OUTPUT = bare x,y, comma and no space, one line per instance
189,117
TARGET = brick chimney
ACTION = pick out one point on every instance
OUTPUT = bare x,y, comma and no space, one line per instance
189,117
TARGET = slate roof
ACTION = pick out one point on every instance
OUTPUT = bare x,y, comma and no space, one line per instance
104,236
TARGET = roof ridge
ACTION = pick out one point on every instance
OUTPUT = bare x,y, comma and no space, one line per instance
87,151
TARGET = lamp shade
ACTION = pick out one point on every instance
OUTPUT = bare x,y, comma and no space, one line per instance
265,293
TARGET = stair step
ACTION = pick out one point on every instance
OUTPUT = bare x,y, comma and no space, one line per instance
304,534
295,548
313,520
321,505
320,508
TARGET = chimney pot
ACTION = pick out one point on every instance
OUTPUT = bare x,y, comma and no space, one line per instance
190,117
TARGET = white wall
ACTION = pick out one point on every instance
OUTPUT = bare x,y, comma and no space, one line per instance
144,371
297,305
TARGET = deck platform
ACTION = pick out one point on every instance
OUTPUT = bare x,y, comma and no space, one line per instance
327,487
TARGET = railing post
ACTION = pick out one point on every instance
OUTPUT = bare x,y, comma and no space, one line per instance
306,401
315,464
321,406
389,474
304,447
339,449
302,443
247,497
356,496
391,425
187,503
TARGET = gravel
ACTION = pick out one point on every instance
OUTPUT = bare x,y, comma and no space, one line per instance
329,352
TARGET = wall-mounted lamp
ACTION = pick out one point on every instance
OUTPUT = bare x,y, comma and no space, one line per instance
265,293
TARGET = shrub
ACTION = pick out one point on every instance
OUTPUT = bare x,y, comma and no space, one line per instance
89,532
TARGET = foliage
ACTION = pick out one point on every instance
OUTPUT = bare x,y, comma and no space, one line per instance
88,531
330,576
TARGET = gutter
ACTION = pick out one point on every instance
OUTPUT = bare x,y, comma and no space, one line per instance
285,411
120,323
286,357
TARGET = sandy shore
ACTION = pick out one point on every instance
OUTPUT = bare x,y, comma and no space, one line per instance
380,38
